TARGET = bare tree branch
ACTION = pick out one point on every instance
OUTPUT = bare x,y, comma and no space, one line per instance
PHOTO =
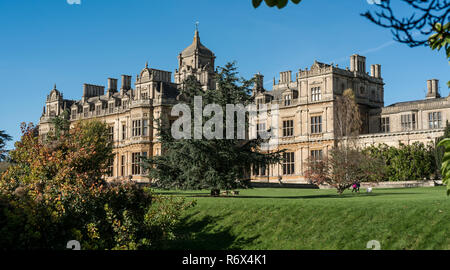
414,30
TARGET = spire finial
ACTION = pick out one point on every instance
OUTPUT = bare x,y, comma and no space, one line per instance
196,36
54,87
146,64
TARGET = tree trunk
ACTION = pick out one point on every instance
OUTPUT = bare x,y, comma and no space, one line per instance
215,192
340,190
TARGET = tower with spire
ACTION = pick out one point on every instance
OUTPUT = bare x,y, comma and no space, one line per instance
196,60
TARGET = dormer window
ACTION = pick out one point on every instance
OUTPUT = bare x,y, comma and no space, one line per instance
74,113
287,100
259,102
98,109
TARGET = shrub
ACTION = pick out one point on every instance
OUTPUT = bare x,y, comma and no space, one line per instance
54,193
406,162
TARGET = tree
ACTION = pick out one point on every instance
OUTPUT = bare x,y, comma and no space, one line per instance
3,139
428,25
347,116
343,167
445,167
440,150
61,124
209,163
414,30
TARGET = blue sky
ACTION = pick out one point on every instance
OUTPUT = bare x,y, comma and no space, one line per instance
44,42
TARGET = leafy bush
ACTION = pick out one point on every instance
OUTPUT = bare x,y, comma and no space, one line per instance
445,167
406,162
54,192
3,166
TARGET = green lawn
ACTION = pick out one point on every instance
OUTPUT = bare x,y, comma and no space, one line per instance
264,218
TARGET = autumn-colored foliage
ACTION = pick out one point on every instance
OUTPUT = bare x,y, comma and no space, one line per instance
343,167
54,192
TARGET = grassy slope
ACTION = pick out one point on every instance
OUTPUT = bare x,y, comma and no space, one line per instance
417,218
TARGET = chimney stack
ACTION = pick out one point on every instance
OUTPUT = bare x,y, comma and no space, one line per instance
433,89
358,63
85,90
91,90
126,82
285,77
375,71
259,82
112,85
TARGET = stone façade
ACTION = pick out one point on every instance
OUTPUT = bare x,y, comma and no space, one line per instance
306,107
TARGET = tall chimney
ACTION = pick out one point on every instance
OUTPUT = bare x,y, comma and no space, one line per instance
358,63
126,82
433,89
285,76
85,92
259,82
112,85
378,71
435,85
375,71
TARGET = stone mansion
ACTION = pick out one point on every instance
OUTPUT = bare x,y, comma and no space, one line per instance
306,107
